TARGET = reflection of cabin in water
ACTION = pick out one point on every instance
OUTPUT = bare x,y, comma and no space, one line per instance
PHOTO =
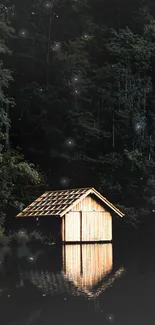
79,215
87,266
87,270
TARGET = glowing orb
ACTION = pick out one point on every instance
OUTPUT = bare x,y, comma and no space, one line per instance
86,36
48,5
75,80
139,126
70,143
64,181
56,46
110,318
23,33
21,233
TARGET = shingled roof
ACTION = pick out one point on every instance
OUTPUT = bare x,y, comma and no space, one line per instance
60,202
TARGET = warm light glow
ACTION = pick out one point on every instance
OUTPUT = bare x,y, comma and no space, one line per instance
72,230
96,226
86,265
87,270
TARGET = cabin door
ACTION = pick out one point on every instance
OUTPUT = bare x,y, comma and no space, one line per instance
96,226
71,227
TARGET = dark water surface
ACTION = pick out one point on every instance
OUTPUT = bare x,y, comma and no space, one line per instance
78,284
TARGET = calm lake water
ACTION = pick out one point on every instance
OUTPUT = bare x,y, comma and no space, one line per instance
78,284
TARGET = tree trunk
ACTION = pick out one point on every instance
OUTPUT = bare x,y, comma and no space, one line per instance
113,133
98,112
7,127
150,147
48,48
144,110
118,15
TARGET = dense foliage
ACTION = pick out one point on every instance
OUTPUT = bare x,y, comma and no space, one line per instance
84,91
17,176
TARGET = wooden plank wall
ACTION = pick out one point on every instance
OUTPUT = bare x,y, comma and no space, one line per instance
72,226
96,222
108,220
88,204
96,226
63,228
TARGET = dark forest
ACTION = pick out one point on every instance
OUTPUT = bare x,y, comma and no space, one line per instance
77,101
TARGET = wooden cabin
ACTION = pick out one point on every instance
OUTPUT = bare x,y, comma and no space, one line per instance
84,214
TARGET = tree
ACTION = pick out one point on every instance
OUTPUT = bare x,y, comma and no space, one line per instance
56,108
17,176
129,83
85,95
